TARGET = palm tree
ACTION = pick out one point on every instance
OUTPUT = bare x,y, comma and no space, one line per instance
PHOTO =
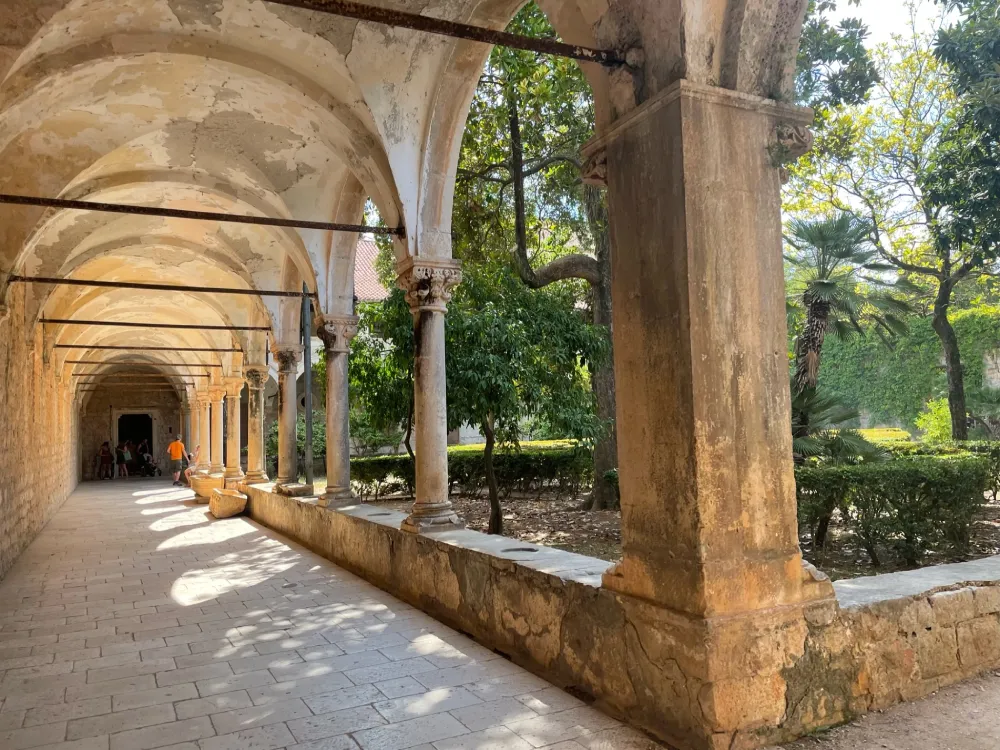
836,277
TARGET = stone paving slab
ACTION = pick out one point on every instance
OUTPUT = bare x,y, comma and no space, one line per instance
137,621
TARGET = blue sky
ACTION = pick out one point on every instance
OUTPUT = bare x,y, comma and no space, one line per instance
887,17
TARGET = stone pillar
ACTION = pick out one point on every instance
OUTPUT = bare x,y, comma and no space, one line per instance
186,425
428,285
256,454
205,431
712,578
234,472
194,418
336,333
217,395
288,464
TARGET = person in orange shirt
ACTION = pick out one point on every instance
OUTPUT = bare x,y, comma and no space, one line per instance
176,453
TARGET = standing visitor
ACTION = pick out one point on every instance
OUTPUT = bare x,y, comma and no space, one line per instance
176,452
193,459
107,460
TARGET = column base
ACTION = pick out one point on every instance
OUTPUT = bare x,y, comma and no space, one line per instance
203,484
294,489
437,517
233,481
256,477
337,497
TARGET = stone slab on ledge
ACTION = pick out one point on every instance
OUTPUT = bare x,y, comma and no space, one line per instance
547,611
227,503
204,484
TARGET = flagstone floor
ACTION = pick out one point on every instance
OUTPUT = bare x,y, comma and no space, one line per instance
136,621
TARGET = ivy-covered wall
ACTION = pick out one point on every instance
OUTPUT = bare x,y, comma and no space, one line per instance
891,386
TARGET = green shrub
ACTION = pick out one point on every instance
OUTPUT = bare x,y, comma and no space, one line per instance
935,421
910,505
559,466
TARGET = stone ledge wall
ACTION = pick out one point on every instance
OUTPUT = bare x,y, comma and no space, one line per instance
767,679
38,429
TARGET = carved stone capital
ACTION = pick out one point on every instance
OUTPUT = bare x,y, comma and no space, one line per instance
336,332
595,168
216,394
256,378
791,143
203,398
288,358
429,283
233,386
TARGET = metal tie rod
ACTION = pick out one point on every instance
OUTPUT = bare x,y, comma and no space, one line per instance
148,363
389,17
171,326
118,383
142,348
176,213
15,279
136,376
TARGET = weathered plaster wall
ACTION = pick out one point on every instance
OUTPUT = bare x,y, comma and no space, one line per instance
38,429
97,423
644,663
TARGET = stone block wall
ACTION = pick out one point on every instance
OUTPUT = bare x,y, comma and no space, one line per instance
97,421
38,435
766,679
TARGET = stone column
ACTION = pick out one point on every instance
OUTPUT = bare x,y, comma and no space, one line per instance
336,333
234,472
288,468
428,285
711,570
194,418
256,454
186,425
217,395
205,431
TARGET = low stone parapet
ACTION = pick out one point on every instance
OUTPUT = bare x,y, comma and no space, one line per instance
546,610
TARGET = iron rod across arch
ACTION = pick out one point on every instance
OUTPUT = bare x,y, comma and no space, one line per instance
140,362
441,27
170,326
175,213
137,375
143,348
16,279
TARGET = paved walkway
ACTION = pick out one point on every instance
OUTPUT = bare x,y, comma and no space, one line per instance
136,621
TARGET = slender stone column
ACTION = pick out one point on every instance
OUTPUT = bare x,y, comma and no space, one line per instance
194,419
288,469
256,458
336,333
205,431
428,285
186,425
234,472
217,395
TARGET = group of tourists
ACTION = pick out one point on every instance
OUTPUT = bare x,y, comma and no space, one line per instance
126,459
129,460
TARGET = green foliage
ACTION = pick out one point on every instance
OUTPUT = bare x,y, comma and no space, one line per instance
367,438
556,114
909,505
892,385
514,354
818,431
935,421
319,437
833,66
557,466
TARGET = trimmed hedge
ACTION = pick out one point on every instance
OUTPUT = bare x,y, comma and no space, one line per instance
559,466
909,505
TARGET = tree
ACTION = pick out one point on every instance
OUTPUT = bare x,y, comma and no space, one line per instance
834,67
516,354
519,192
835,274
873,163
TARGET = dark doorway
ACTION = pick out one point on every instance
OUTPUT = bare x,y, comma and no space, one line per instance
135,427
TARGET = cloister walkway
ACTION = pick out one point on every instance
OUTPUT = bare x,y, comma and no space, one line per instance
136,621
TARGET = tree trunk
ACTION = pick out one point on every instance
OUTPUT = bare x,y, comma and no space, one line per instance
602,378
809,347
952,361
409,432
496,518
